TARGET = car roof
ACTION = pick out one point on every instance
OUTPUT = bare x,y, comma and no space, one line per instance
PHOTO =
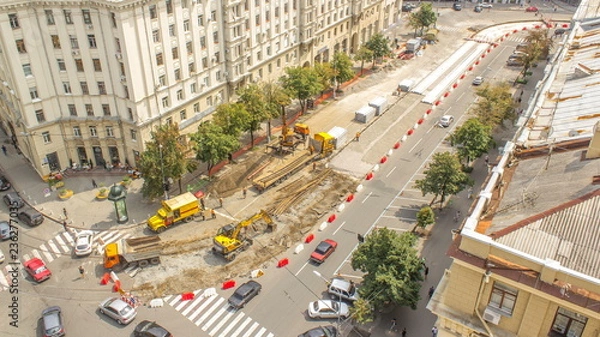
34,263
117,304
340,283
246,287
4,225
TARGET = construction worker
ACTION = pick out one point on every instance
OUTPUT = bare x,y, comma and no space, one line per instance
357,137
213,214
221,202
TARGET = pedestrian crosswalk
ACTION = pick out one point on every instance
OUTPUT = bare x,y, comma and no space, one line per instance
62,245
213,315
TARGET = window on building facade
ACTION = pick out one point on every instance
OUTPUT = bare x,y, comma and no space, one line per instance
192,67
68,17
106,109
207,81
203,42
21,46
267,16
92,40
39,116
175,53
72,110
153,12
130,113
156,36
118,44
196,108
216,37
159,59
93,131
79,65
177,74
133,134
257,20
97,64
209,101
179,95
277,11
171,30
217,57
193,88
87,17
74,43
184,4
46,137
101,88
89,110
165,102
33,93
204,62
162,80
213,16
49,17
77,131
503,298
247,23
200,20
113,19
14,21
110,132
218,75
182,115
169,6
189,48
126,90
27,69
186,25
568,324
61,65
169,121
67,87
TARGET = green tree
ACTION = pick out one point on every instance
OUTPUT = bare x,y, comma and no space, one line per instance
473,138
379,45
495,104
325,74
342,66
253,98
444,177
392,269
425,17
363,54
233,118
538,48
425,217
302,83
164,158
362,311
212,144
276,99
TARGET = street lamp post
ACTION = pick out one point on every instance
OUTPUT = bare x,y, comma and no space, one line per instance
339,308
162,173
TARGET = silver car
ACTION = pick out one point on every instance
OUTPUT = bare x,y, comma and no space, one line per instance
52,320
83,243
5,232
118,310
343,288
446,120
328,309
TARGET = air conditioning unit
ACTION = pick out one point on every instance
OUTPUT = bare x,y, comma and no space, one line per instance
491,316
75,52
118,56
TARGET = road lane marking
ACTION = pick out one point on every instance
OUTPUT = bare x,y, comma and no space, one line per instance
392,170
340,227
246,322
216,316
191,306
414,146
232,325
54,248
261,332
47,254
367,197
209,311
301,269
252,328
200,308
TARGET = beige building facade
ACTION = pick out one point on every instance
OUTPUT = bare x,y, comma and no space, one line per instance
86,82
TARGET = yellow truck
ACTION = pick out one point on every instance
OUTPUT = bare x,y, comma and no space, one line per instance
183,207
141,251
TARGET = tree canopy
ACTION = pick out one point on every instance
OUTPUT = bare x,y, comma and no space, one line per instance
495,104
425,17
473,139
342,67
363,54
233,118
392,269
253,99
212,144
302,83
425,217
379,45
444,177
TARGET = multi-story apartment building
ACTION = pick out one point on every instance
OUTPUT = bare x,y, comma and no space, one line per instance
87,81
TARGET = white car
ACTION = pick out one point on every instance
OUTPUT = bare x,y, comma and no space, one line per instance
328,309
2,258
478,80
486,5
446,120
83,243
118,310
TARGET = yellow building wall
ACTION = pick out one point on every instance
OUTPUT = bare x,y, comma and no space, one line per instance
533,316
462,289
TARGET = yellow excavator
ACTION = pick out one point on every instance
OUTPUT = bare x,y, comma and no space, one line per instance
230,240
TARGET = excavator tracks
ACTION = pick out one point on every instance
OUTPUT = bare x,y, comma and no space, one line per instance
296,191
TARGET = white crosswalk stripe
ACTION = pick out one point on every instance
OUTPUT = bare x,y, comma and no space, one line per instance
61,243
214,315
49,257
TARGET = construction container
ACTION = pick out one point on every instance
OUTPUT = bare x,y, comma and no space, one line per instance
339,134
379,103
405,85
364,114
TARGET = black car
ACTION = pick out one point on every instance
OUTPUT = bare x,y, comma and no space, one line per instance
322,331
408,7
244,294
12,199
4,183
31,217
457,6
150,329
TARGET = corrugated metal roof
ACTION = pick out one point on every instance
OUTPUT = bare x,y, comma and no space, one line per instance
568,234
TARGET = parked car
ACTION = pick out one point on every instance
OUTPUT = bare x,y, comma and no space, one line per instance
514,62
36,268
322,331
328,309
4,183
31,217
12,199
457,6
339,287
118,310
408,7
531,9
244,293
83,243
522,46
478,80
323,250
2,257
477,9
52,320
559,31
5,230
150,329
486,5
446,120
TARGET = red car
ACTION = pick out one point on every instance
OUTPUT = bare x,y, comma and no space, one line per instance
531,9
37,269
323,250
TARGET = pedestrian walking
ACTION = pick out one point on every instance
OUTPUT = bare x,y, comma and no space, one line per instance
393,326
213,214
81,272
357,136
65,213
426,271
244,191
434,331
403,332
470,193
64,224
202,203
487,159
431,291
94,185
4,150
221,202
